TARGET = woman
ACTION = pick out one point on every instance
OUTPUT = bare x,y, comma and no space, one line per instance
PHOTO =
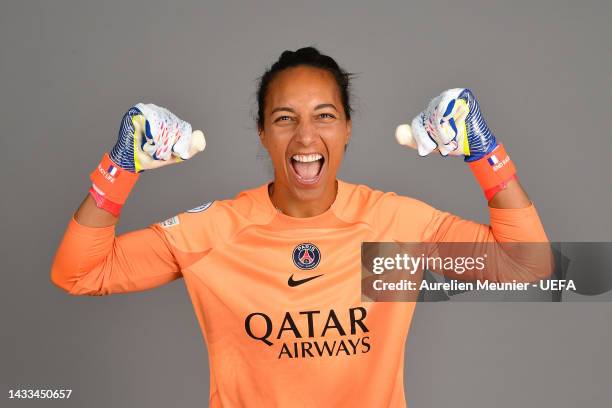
274,274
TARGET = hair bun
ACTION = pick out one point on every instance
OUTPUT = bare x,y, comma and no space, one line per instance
286,56
299,55
308,52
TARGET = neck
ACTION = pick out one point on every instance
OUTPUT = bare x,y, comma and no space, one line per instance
290,205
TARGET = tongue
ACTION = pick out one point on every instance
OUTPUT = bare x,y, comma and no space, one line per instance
307,171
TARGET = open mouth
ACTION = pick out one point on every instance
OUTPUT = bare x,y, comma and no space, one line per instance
307,168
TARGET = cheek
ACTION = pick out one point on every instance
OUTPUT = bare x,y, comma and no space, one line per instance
276,147
335,139
336,153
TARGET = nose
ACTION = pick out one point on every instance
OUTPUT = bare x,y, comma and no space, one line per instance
305,133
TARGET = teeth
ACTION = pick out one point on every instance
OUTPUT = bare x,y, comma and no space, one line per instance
307,158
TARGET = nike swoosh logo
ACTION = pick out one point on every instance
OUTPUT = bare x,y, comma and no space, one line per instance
294,283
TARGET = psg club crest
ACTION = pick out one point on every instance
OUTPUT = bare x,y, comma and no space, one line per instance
306,256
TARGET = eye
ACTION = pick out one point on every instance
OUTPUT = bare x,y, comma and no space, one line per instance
283,118
326,115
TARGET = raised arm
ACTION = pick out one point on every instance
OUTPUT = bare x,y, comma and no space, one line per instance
91,259
453,125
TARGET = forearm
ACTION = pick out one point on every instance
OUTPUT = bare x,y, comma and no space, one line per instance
513,196
524,262
89,215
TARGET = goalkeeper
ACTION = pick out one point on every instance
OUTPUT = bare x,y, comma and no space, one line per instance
274,274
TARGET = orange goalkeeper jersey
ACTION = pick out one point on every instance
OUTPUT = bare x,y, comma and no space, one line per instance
278,299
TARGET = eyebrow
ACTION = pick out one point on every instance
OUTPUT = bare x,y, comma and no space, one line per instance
288,109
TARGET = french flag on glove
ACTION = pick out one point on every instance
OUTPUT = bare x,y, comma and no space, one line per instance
493,171
493,160
111,185
112,170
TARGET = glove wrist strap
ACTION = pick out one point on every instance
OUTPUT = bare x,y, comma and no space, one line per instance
494,171
111,185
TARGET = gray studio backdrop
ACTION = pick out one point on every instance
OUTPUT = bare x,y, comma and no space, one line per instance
69,69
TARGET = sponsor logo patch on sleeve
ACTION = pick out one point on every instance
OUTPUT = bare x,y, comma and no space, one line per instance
170,222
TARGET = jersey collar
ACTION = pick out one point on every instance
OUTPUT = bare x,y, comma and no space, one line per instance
329,218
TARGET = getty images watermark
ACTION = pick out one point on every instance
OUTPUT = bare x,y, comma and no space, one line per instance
492,271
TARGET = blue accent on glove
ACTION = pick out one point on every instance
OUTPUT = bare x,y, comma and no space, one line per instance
480,138
449,108
122,153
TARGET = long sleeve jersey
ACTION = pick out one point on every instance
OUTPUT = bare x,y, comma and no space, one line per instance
278,298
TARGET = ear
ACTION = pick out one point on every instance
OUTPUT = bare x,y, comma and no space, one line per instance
349,130
262,137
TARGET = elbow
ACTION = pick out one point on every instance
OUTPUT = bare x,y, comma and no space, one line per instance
540,263
526,262
68,276
547,263
79,262
77,282
59,277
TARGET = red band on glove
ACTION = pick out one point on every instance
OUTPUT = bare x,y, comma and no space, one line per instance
103,203
494,171
111,185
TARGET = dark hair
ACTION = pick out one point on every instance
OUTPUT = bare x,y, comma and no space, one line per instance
311,57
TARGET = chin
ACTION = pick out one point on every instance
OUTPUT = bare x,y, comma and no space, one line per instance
311,192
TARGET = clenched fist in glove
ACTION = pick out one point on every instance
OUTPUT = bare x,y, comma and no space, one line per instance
149,137
454,125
